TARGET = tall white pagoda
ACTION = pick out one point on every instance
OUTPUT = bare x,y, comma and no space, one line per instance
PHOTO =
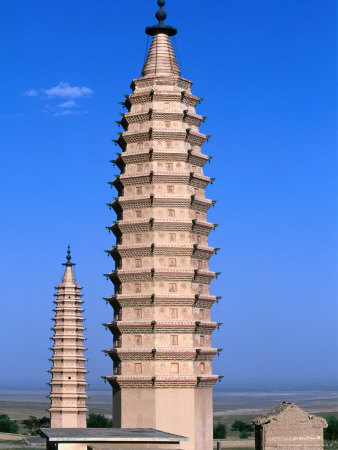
162,374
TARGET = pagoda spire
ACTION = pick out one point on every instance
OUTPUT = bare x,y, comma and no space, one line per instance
161,59
68,276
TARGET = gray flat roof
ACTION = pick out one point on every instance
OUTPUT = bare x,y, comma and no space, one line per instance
109,435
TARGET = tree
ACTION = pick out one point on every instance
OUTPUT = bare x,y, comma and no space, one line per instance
244,429
220,431
331,432
240,426
7,425
33,424
98,421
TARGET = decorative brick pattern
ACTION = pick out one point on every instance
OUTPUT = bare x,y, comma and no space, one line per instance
145,106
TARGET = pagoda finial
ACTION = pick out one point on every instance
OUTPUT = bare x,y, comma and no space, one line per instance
161,27
161,15
69,257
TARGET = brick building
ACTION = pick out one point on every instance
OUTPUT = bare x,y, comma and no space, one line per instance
289,427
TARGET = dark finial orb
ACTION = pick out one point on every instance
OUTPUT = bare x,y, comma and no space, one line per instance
69,258
161,15
68,254
161,27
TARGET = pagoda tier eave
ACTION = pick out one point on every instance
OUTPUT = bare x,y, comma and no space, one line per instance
198,159
154,115
68,358
60,329
67,347
192,354
126,203
153,135
191,179
163,322
58,352
67,410
146,300
119,251
151,96
67,383
148,357
130,226
174,274
122,297
64,287
68,396
146,327
71,320
163,378
154,382
79,370
68,317
152,79
164,350
154,95
62,301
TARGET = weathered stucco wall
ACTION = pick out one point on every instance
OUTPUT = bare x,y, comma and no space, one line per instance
289,427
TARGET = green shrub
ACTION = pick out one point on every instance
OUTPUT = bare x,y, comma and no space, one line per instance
331,432
220,431
7,425
33,424
240,426
98,421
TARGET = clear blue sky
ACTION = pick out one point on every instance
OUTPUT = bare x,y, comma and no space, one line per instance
267,71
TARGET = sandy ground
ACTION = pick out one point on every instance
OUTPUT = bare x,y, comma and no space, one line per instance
22,404
227,405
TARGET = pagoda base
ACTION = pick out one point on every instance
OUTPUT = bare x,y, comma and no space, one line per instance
62,419
186,412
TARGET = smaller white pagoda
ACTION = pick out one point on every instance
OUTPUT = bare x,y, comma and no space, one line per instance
68,386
